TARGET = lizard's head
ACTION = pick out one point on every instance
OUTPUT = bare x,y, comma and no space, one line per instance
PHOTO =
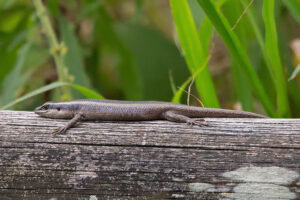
54,110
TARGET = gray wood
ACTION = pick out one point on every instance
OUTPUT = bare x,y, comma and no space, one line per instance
229,159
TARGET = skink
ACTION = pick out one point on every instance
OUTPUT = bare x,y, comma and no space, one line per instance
113,110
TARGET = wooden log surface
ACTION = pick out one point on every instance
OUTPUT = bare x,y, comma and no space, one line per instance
228,159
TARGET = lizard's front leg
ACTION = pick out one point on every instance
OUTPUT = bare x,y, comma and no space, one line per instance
78,117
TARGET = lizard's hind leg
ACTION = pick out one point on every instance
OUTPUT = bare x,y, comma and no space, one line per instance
175,117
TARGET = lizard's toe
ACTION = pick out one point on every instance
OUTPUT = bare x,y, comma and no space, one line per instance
198,122
60,130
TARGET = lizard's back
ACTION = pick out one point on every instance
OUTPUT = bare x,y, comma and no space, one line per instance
144,110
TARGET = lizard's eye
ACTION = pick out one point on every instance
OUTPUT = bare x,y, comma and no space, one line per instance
45,107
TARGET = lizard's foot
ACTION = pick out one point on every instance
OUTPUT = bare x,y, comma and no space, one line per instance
60,130
70,124
198,122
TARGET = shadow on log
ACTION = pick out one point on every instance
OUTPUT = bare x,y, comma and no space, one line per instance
229,159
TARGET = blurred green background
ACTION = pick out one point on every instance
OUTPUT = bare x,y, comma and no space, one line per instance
241,52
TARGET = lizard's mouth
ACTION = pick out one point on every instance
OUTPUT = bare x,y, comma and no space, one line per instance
39,110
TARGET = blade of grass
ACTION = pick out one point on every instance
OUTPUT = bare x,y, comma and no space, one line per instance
256,29
177,96
241,86
242,15
272,51
295,73
205,34
193,51
252,14
85,91
34,93
271,29
88,93
172,82
14,79
294,7
236,50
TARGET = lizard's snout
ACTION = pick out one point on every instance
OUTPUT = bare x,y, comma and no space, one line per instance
39,110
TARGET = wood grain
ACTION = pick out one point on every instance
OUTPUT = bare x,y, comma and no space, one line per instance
229,158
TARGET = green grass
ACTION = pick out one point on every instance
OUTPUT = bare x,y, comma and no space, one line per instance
195,52
53,50
240,55
87,93
273,57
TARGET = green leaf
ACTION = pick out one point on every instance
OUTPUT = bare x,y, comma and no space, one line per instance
10,18
11,42
14,79
273,54
85,91
236,50
130,82
253,21
193,51
197,12
267,74
177,96
241,87
294,7
154,55
8,58
172,82
205,34
34,93
90,94
295,73
53,7
73,58
179,92
89,8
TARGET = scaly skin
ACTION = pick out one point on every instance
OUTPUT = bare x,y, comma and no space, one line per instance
113,110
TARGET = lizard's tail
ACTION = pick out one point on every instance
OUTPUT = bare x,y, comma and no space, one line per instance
219,113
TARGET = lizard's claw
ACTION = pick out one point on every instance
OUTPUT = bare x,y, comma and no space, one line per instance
198,122
60,130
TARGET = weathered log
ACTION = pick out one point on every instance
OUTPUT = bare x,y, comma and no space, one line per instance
228,159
